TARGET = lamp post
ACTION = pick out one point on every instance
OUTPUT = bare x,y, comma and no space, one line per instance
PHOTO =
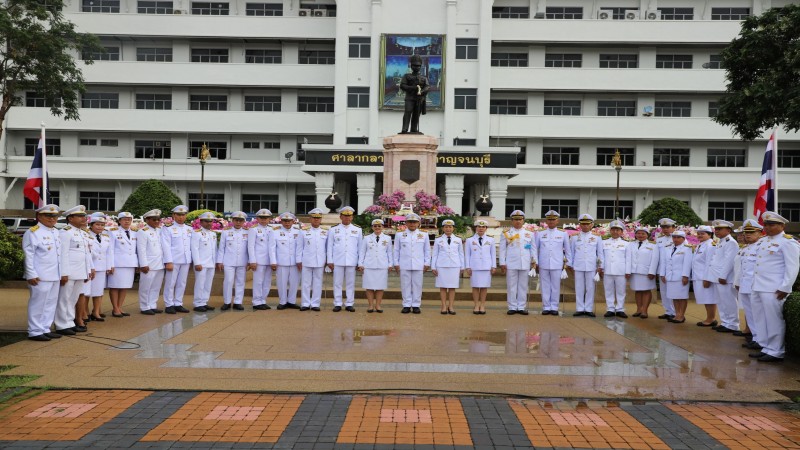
204,155
616,163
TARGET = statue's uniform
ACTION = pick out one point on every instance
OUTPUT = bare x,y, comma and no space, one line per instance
641,260
376,257
518,253
204,246
312,251
720,266
125,259
42,247
553,246
148,248
76,265
412,253
176,241
585,256
614,266
744,265
102,260
262,253
287,276
677,264
700,260
448,260
232,254
777,264
479,257
664,242
343,244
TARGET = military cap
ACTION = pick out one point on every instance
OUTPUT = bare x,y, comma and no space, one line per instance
705,229
316,213
773,217
616,224
481,223
124,215
517,214
376,222
642,228
152,213
264,213
180,209
679,233
93,219
585,218
79,210
666,222
347,211
412,217
448,222
287,216
207,216
239,215
751,225
719,223
48,209
552,214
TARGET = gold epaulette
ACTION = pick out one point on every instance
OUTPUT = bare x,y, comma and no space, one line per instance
198,230
67,228
34,228
145,228
788,236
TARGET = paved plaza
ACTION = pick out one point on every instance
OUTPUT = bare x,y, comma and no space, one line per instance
291,379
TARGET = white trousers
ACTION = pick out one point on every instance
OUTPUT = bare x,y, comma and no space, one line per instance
42,307
262,281
348,275
311,292
584,290
149,288
727,304
666,302
768,318
411,288
234,281
614,286
517,287
551,288
286,280
67,298
746,301
202,286
175,284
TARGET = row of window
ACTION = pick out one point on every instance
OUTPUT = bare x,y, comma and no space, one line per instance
617,13
605,108
213,55
200,8
606,60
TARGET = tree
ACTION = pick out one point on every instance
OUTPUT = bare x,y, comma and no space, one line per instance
152,194
762,72
11,255
669,207
36,54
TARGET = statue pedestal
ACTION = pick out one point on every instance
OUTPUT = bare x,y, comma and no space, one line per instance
409,164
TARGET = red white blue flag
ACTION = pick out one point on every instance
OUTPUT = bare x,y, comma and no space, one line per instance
35,188
765,199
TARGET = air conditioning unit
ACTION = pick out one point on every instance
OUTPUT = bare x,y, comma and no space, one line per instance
304,13
320,13
631,14
653,14
605,14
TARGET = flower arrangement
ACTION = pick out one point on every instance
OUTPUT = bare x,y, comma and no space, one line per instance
426,204
628,234
430,203
219,224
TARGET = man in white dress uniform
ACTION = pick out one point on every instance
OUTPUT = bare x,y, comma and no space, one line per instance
42,246
343,243
261,255
232,261
204,249
516,259
311,254
177,243
412,257
586,257
151,262
553,246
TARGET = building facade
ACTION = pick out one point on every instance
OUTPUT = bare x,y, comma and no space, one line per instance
267,84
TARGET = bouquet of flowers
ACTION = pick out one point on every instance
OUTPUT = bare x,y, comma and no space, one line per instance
430,203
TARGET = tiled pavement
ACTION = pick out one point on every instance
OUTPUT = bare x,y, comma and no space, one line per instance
164,419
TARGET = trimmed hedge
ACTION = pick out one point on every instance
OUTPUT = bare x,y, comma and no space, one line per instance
669,207
791,314
12,258
152,194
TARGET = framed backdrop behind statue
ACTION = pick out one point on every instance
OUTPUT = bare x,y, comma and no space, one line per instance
395,51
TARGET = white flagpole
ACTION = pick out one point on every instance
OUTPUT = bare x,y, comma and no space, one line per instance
775,167
44,167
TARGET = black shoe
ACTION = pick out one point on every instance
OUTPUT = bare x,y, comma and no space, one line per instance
80,329
444,313
405,310
124,314
292,306
578,313
722,329
96,319
677,321
738,333
267,306
210,308
238,307
315,308
545,312
511,312
225,307
350,309
66,332
281,307
259,307
770,358
756,354
524,312
157,311
337,308
752,345
200,308
416,310
304,308
609,314
451,312
590,314
703,324
53,335
148,312
181,309
40,338
622,314
117,315
169,310
666,316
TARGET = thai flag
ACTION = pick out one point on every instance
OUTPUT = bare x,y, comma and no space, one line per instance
35,188
765,199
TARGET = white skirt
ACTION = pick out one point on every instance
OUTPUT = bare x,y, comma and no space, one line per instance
98,284
676,290
375,279
448,277
640,282
704,296
87,288
121,279
481,279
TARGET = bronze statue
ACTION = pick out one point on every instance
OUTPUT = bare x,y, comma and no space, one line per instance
416,88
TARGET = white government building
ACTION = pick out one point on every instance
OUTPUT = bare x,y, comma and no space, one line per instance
283,91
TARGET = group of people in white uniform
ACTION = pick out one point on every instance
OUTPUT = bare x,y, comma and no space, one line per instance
68,267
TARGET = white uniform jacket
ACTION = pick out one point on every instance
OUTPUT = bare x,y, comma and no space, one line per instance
614,253
447,255
260,249
102,252
42,247
76,254
743,267
343,244
204,247
376,253
176,241
678,264
777,262
642,259
553,245
700,260
148,248
312,249
124,247
480,256
518,249
232,250
720,263
585,252
285,244
411,250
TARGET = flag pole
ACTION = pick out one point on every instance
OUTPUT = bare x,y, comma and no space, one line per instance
44,168
775,168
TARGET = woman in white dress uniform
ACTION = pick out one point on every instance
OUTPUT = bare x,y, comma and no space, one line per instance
125,263
103,259
375,260
642,267
704,295
447,263
676,273
480,262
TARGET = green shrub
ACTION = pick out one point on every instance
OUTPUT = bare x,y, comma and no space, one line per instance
12,257
462,224
196,213
791,314
152,194
669,207
364,221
